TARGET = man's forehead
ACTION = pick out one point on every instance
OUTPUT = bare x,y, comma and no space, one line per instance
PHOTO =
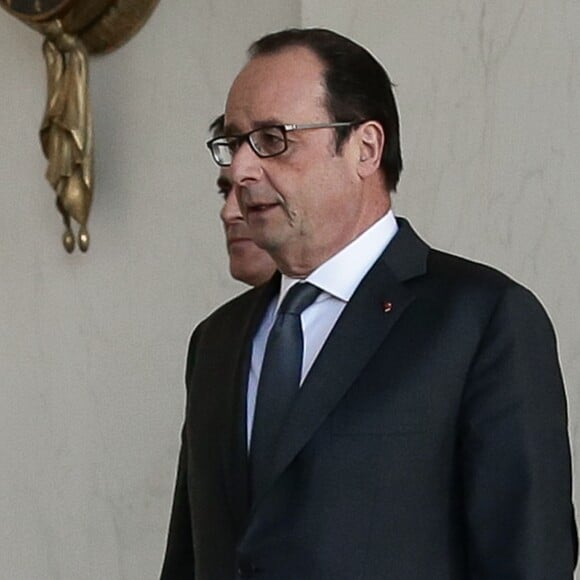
276,89
232,127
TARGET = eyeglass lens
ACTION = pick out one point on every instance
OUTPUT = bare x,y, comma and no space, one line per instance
265,142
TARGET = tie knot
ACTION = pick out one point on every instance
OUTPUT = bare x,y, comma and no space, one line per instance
299,298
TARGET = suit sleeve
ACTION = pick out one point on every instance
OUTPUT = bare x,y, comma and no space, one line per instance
179,562
515,450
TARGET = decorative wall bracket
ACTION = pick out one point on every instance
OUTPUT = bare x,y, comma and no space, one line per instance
73,29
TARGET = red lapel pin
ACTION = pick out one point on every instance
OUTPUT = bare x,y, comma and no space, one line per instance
387,306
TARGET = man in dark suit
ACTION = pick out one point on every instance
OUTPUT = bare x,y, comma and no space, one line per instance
426,437
247,262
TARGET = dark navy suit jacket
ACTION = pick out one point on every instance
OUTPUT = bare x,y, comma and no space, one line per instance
428,442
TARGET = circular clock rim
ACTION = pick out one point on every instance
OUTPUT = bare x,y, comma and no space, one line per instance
46,14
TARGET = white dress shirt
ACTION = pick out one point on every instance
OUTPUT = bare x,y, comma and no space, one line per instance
338,278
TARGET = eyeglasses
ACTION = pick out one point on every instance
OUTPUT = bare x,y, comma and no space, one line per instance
265,141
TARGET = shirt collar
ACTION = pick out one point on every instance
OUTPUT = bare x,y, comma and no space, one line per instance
341,274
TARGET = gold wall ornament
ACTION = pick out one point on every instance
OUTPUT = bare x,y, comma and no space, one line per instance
73,29
66,132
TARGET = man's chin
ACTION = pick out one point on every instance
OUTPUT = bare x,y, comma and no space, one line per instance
241,247
243,274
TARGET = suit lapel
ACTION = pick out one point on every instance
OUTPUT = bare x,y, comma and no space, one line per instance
364,325
235,453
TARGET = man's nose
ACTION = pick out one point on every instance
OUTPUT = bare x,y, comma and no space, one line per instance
246,165
231,211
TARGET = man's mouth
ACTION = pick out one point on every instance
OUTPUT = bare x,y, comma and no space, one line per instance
239,240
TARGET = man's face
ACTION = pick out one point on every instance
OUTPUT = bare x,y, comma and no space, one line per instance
248,262
304,205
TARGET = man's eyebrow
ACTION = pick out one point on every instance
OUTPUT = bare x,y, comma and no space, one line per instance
232,129
267,123
224,183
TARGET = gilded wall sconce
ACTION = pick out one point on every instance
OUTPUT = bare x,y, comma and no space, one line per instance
72,30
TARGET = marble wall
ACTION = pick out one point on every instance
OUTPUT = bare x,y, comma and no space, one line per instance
489,96
92,347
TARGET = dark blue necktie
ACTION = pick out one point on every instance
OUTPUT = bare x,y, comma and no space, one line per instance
279,379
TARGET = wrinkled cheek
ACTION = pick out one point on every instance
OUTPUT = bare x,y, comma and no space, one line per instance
293,220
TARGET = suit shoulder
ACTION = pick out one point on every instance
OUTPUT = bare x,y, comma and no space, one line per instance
473,277
481,283
459,269
230,311
223,325
236,304
410,256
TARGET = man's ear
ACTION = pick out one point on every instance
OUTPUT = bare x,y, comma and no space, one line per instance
371,141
